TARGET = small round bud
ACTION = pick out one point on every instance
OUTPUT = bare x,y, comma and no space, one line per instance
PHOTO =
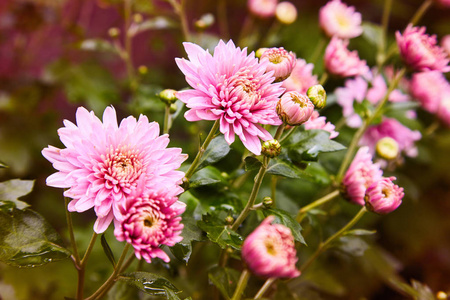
229,220
441,295
317,95
224,175
206,21
173,108
138,18
114,32
271,148
185,183
229,250
294,108
387,148
260,52
280,62
142,70
286,13
267,202
168,96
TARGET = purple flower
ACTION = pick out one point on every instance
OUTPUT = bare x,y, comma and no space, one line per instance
232,87
338,19
294,108
342,62
420,51
320,122
383,196
262,8
281,62
269,251
359,176
149,219
301,78
103,162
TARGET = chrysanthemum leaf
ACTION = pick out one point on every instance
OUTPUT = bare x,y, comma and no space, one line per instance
151,284
284,218
108,250
217,149
218,232
225,279
11,190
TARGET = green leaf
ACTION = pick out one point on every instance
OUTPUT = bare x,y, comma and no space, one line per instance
352,245
107,250
364,109
360,232
151,284
225,279
206,176
252,163
372,33
97,45
217,149
3,165
11,190
284,218
27,240
218,232
283,166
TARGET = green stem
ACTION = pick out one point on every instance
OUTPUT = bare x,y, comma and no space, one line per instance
242,284
264,288
318,202
166,119
323,78
222,19
128,45
71,234
384,25
273,187
323,246
279,132
202,150
420,12
246,31
82,267
286,136
179,10
318,50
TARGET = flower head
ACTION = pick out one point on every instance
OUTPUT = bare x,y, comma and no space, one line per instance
445,44
262,8
294,108
320,122
420,51
281,62
286,13
338,19
232,87
103,162
342,62
359,176
269,251
429,88
149,219
301,77
383,196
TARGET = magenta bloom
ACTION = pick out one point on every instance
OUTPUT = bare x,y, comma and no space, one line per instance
294,108
342,62
262,8
383,196
301,78
269,251
420,51
359,176
149,219
232,87
103,162
320,122
281,62
338,19
429,88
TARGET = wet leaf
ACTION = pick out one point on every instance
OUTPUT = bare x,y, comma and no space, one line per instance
218,232
217,149
206,176
13,189
283,217
151,284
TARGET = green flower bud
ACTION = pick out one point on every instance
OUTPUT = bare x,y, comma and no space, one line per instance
173,108
387,148
271,148
168,96
260,52
317,95
229,220
267,202
114,32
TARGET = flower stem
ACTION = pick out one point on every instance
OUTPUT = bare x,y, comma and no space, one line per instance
323,246
179,10
222,19
264,288
166,119
82,267
420,12
242,284
318,50
202,150
384,25
301,213
128,45
71,234
323,78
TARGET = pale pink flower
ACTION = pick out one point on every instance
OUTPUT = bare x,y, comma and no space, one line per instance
342,62
262,8
359,176
286,13
280,62
301,78
269,251
445,44
232,87
103,162
149,219
320,122
294,108
429,88
383,196
338,19
420,51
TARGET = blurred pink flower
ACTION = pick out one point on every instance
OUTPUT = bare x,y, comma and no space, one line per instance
320,122
429,88
301,77
383,196
280,62
294,108
420,51
103,162
262,8
360,175
149,219
342,62
445,3
269,251
338,19
444,108
445,44
232,87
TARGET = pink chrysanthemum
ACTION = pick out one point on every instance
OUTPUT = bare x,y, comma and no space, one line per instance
444,108
420,51
445,44
320,122
294,108
102,162
361,173
301,77
232,87
269,251
338,19
342,62
149,219
262,8
429,88
281,62
383,196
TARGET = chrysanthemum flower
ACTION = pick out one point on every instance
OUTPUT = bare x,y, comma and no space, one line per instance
359,176
301,77
281,62
338,19
320,122
429,88
420,51
232,87
149,219
103,162
262,8
294,108
269,251
383,196
342,62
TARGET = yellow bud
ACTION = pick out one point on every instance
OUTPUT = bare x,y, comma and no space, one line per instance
387,148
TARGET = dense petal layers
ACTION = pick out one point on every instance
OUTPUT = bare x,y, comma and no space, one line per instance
342,62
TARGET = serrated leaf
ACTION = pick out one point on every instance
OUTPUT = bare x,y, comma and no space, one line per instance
27,240
13,189
217,149
225,279
372,33
218,232
360,232
151,284
284,218
97,45
107,250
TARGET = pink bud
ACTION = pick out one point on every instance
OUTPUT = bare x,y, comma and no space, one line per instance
342,62
383,196
262,8
280,62
294,108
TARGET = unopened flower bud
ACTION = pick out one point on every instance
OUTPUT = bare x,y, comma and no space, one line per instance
168,96
206,21
260,52
383,196
280,62
294,108
262,8
229,220
143,70
267,202
317,95
387,148
173,108
286,13
114,32
271,148
138,18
